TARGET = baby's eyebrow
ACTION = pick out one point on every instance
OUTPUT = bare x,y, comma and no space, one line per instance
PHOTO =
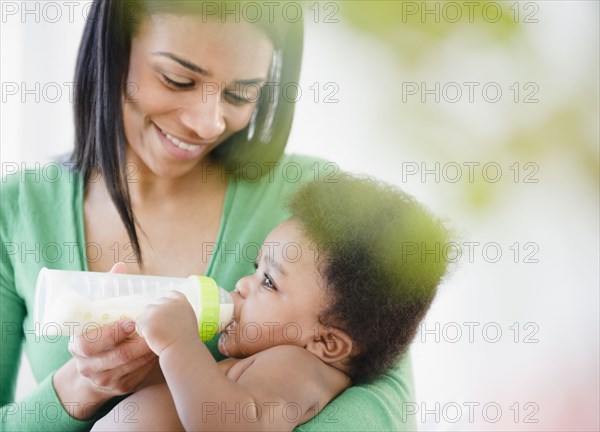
272,263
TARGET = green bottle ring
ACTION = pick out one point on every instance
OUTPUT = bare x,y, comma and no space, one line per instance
209,313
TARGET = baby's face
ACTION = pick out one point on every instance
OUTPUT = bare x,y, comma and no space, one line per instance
279,304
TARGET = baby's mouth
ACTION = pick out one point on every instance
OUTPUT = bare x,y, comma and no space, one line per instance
230,328
225,333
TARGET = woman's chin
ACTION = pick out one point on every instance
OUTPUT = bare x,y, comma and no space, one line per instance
171,169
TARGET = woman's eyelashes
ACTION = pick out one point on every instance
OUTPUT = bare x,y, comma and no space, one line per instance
177,84
235,99
232,98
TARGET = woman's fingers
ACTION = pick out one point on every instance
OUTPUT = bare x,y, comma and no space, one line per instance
114,363
125,358
97,340
125,378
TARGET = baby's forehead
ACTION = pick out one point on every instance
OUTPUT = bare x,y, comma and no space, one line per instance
289,242
289,250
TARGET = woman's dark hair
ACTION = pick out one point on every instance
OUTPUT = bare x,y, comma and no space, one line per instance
101,75
381,258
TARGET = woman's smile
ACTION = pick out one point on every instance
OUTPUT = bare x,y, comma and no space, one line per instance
178,148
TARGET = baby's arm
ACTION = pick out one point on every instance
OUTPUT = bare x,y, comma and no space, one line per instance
256,393
277,389
150,409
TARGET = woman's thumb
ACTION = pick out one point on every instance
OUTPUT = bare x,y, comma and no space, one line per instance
119,267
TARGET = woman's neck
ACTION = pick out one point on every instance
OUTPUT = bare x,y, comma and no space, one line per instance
147,189
145,186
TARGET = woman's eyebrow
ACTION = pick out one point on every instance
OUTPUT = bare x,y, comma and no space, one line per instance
186,64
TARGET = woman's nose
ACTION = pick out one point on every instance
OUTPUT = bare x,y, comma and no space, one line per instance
205,116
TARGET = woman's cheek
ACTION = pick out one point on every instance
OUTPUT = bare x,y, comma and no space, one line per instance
155,99
238,118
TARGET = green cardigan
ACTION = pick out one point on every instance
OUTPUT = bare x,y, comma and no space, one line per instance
41,225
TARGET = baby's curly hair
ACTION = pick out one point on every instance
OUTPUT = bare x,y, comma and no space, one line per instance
380,257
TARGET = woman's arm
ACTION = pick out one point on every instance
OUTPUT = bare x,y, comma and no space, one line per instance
74,393
109,362
388,403
111,366
42,406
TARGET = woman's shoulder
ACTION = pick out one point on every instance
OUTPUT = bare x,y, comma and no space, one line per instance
39,178
289,171
301,159
36,190
308,167
269,184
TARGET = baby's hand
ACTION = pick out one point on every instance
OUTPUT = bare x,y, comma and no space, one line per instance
168,322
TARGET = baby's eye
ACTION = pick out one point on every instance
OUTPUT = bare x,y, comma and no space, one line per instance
268,283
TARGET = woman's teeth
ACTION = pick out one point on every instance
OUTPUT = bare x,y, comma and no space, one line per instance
180,144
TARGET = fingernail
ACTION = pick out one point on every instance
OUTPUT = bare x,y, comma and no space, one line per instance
128,326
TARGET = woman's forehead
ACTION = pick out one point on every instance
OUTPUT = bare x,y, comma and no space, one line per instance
231,48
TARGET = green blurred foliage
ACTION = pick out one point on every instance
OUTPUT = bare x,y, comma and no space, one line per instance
416,30
413,27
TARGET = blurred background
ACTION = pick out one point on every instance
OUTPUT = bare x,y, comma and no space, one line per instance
488,112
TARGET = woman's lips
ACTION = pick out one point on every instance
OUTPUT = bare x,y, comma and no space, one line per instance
177,147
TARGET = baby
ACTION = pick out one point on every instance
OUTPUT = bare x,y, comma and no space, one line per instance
337,295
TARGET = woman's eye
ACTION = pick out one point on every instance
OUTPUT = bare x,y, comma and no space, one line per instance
235,99
177,84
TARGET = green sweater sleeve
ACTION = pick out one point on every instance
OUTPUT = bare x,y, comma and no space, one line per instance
376,406
26,210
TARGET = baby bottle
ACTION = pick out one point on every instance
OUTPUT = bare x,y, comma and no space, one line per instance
69,302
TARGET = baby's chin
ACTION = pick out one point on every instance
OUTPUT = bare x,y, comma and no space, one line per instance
231,351
229,332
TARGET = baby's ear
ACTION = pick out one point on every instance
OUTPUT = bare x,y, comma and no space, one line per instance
331,345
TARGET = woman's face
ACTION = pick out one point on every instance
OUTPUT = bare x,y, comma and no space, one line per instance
192,83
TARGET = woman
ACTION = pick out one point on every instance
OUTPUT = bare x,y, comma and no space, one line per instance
181,120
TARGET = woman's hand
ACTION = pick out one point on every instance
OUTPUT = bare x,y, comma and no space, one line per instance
168,322
108,362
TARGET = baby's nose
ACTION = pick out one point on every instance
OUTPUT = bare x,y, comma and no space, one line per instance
241,287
